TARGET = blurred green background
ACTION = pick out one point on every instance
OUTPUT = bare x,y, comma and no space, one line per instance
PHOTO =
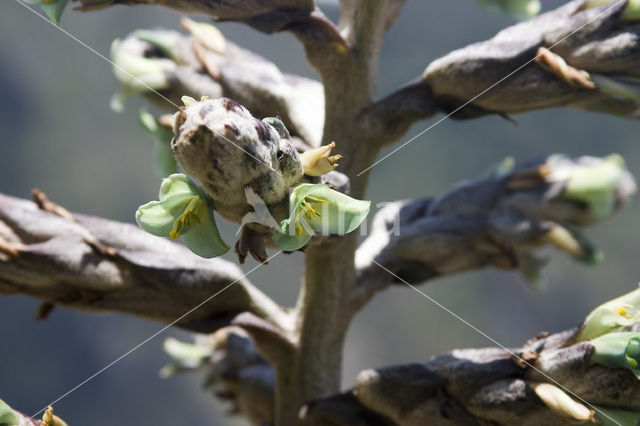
60,136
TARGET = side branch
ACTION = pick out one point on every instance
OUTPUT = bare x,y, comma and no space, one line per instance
215,67
98,265
497,220
490,386
575,56
320,37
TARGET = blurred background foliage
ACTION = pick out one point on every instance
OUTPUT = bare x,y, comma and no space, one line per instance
60,136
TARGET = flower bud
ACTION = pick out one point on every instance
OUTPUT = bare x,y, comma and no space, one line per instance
318,209
615,315
208,35
183,210
560,403
317,162
618,350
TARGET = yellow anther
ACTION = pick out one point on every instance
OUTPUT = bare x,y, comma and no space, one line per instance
622,310
190,215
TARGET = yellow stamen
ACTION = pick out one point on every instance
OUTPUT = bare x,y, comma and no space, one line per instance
317,162
622,310
185,220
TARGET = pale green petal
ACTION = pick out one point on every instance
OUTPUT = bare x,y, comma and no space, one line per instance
203,238
595,184
618,350
339,213
54,10
185,356
616,417
632,11
8,417
163,40
614,315
138,73
175,184
316,208
118,101
164,162
159,217
518,9
183,211
287,239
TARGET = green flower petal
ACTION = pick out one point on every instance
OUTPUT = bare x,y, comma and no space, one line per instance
177,184
140,74
289,240
54,10
632,11
518,9
8,417
163,40
595,184
316,208
618,350
613,315
339,214
183,210
616,417
159,217
203,237
164,162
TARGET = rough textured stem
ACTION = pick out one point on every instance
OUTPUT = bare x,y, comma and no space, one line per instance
595,40
497,220
323,310
479,386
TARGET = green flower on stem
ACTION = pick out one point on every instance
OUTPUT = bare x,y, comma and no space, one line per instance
592,184
137,73
185,356
164,161
614,315
518,9
8,417
618,350
318,209
617,417
183,210
631,11
52,8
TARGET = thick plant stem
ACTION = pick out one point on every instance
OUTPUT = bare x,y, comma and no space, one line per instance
323,319
324,310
